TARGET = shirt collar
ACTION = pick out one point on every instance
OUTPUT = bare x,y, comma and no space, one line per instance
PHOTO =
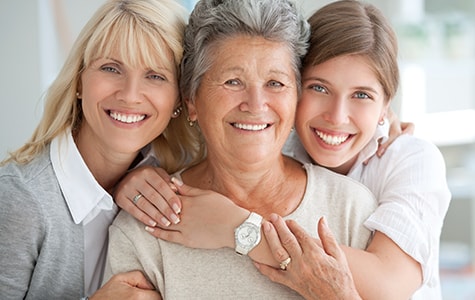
82,192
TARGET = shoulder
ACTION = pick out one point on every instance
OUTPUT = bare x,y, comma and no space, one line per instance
324,182
409,146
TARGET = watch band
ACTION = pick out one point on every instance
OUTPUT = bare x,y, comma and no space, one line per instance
251,224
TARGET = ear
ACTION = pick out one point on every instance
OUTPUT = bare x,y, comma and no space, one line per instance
193,116
385,112
79,90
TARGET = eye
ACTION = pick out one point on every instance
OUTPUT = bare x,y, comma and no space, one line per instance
110,69
362,95
156,77
318,88
275,84
232,82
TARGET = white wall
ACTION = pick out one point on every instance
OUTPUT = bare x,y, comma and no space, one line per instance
29,62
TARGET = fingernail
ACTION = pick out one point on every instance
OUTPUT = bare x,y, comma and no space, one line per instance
175,219
176,208
165,221
152,223
177,181
149,229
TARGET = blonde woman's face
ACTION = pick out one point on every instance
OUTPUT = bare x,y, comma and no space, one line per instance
124,108
341,105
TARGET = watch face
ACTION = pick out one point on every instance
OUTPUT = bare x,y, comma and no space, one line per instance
247,235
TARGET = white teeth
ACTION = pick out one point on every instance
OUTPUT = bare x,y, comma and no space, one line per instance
250,126
332,139
126,118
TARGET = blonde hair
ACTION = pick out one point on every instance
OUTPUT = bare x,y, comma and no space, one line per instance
145,33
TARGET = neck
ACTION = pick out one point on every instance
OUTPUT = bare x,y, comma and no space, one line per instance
264,188
107,167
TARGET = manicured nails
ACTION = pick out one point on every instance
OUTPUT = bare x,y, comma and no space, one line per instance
165,221
149,229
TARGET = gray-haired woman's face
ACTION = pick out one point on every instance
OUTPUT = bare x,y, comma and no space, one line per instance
246,102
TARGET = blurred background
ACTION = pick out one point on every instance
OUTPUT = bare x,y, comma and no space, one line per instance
437,93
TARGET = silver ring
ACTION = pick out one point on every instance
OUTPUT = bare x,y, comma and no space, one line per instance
136,198
285,263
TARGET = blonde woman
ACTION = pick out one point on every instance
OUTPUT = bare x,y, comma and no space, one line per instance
107,110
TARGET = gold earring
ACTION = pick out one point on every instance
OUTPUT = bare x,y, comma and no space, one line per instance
190,122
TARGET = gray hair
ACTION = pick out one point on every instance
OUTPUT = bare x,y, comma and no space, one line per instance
212,21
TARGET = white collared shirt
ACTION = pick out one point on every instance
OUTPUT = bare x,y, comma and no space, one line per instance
88,203
410,186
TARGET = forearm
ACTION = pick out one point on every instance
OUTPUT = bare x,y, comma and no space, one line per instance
383,271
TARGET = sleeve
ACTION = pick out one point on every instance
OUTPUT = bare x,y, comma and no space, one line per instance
22,231
413,202
121,256
132,248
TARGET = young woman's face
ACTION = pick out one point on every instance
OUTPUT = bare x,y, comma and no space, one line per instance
342,102
246,101
124,108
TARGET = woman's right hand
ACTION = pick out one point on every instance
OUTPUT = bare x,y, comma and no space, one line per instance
158,203
318,269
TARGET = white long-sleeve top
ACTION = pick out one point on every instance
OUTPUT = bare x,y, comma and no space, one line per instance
410,185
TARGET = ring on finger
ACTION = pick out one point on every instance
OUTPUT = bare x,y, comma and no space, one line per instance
136,198
285,263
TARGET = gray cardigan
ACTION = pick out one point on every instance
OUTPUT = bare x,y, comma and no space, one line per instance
41,248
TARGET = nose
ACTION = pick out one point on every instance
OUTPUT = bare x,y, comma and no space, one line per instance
131,90
255,100
336,111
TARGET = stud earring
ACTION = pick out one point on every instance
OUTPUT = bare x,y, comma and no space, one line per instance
78,95
176,112
381,123
190,122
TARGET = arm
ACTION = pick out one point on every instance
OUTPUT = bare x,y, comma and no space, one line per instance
20,241
202,208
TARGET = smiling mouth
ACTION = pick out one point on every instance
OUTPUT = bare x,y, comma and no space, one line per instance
333,140
251,127
126,118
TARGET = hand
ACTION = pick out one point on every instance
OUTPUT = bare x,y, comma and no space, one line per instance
158,204
130,285
208,219
396,128
318,270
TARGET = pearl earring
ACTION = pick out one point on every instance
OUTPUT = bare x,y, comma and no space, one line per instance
176,112
190,122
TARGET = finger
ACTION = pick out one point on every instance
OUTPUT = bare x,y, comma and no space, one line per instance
184,189
287,238
273,274
305,241
329,242
172,236
135,279
278,251
408,128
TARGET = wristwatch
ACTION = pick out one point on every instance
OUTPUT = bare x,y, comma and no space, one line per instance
248,234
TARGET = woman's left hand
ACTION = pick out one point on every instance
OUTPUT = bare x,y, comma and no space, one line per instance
318,268
207,219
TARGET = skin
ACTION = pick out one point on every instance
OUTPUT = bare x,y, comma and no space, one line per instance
347,106
112,92
341,104
124,109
